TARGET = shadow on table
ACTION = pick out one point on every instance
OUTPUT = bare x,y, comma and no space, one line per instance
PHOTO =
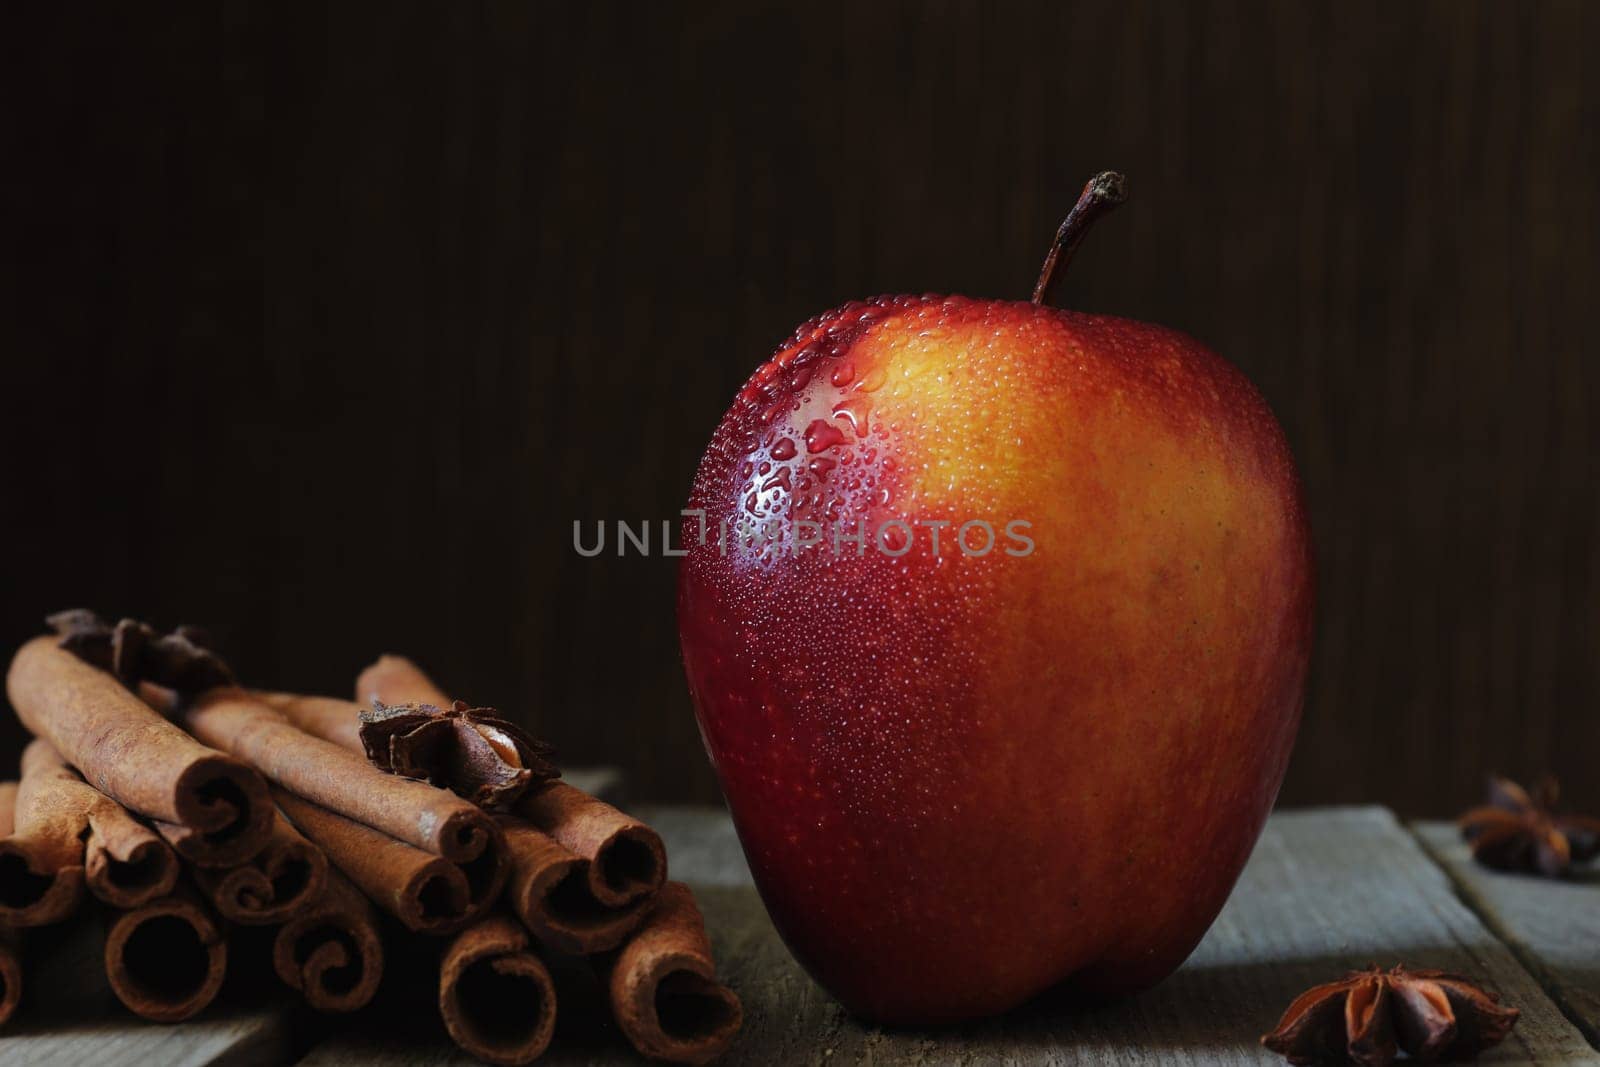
402,1027
1215,1008
66,1000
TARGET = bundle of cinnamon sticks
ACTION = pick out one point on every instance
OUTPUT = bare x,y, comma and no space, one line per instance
186,806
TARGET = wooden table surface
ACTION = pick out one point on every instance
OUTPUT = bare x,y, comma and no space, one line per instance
1326,890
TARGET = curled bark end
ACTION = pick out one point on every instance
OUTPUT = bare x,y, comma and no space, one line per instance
549,889
427,893
38,886
281,880
331,952
627,861
166,960
496,997
214,808
664,990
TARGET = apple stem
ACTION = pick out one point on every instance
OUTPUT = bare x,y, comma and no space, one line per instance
1100,194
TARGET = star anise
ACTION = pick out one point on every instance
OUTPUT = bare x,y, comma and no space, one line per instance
137,652
1516,831
469,751
1367,1016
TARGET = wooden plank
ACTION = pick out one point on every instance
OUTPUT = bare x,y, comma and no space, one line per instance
1552,925
242,1035
69,1016
1326,890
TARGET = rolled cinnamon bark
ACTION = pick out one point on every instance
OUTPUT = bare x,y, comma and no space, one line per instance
548,883
434,820
41,868
627,862
664,990
496,997
549,890
10,942
120,859
335,721
626,859
215,809
166,960
330,951
427,893
286,875
396,680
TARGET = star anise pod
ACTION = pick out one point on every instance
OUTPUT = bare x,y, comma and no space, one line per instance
136,652
1517,831
469,751
1367,1016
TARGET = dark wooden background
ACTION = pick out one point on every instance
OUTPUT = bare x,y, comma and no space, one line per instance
322,326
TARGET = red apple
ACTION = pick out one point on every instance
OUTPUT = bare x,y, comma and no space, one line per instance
962,777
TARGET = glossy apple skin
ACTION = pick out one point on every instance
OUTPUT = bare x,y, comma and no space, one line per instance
961,780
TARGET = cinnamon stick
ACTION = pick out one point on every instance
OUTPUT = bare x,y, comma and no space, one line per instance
41,869
10,942
330,951
396,680
335,721
663,986
549,890
123,862
626,859
548,886
286,875
166,960
627,862
431,819
215,809
496,997
427,893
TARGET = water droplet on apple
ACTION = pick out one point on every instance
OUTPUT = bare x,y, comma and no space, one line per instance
843,374
873,381
822,435
784,449
855,410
